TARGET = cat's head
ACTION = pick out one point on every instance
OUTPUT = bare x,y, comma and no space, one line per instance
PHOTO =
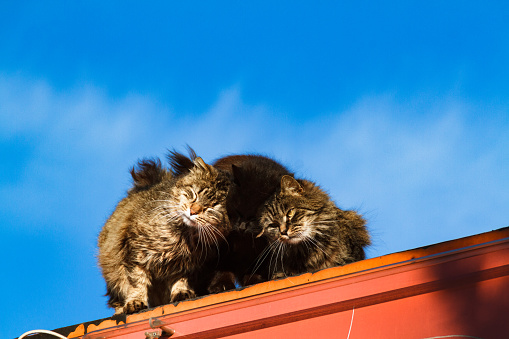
297,214
201,199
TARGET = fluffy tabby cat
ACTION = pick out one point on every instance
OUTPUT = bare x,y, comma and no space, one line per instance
306,231
160,243
255,179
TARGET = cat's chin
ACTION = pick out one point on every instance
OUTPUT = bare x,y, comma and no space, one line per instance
290,240
191,223
188,221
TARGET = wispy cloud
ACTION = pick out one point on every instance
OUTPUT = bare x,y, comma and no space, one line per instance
423,178
420,178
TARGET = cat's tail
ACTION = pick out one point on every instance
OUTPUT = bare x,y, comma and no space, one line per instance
181,164
359,236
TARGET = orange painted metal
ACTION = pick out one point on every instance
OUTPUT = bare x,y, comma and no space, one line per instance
458,288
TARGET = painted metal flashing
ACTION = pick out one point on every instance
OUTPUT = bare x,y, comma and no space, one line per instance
456,288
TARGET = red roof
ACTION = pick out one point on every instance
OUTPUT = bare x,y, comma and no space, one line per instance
458,288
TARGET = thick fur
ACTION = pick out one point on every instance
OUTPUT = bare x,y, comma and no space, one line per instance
162,240
265,243
306,231
147,173
181,164
256,178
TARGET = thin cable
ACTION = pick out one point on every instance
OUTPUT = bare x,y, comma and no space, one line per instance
351,323
41,331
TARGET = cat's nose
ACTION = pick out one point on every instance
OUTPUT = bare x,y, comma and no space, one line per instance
195,208
282,229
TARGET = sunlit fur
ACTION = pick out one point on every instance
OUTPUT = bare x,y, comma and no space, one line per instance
307,232
255,179
160,242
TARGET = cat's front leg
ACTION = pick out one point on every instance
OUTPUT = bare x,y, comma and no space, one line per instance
135,290
181,290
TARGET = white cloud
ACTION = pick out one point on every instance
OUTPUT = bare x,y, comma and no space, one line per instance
425,178
418,178
421,178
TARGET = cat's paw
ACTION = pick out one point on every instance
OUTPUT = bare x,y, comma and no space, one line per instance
222,281
182,295
132,306
181,291
279,275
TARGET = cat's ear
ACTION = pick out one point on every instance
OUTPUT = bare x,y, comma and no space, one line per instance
179,163
199,163
290,186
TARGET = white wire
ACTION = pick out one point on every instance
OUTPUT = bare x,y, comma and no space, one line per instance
351,323
42,331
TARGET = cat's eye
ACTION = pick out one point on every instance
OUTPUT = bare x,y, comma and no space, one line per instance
273,225
290,213
191,195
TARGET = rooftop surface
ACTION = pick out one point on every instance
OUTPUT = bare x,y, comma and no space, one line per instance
458,287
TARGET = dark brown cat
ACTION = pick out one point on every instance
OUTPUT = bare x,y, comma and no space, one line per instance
256,178
306,231
162,241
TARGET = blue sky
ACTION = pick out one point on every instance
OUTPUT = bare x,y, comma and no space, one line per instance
400,111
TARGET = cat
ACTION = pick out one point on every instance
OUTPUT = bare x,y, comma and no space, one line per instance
307,232
162,240
255,179
319,234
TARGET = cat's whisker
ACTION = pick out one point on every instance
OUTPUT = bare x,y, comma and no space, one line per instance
317,245
158,216
211,228
161,207
216,231
282,248
166,202
169,217
164,209
172,216
211,239
213,211
328,221
216,242
261,258
205,240
276,246
200,244
304,240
